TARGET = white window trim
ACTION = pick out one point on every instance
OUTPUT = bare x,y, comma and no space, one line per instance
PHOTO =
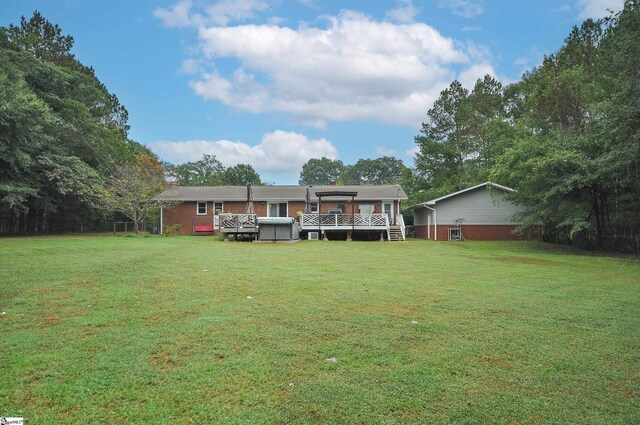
218,202
206,206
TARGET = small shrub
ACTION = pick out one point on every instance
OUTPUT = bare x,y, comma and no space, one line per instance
136,235
172,230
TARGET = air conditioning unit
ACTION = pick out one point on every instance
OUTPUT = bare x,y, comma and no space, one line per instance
313,236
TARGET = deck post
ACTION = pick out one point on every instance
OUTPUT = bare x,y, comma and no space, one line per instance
319,217
353,217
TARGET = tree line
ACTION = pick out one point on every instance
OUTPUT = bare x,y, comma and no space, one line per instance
65,154
385,170
566,136
209,171
62,133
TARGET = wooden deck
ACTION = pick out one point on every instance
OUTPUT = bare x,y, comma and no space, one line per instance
237,223
344,222
247,224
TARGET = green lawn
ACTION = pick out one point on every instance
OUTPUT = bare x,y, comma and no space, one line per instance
104,329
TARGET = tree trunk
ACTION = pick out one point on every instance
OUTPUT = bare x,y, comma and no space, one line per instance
136,219
598,210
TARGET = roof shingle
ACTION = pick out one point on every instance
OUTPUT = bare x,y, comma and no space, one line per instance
277,193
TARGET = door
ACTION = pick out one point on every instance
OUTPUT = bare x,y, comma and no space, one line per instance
278,209
217,210
387,208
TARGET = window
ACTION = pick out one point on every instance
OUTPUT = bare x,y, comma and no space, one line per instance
341,207
218,207
202,208
454,234
278,209
314,207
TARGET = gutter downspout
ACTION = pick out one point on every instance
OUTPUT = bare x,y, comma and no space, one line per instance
161,226
435,221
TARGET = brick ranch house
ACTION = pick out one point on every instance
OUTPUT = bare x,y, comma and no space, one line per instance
480,212
337,211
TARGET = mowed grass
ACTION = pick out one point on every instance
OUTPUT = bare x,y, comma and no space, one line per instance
104,329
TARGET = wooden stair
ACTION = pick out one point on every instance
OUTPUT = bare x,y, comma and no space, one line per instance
395,233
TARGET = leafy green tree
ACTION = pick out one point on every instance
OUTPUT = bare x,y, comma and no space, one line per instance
619,128
443,145
207,171
385,170
486,121
574,154
567,135
321,171
130,190
457,147
560,97
241,175
41,38
59,129
24,120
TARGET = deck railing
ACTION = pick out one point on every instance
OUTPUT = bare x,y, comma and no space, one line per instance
344,221
400,222
237,221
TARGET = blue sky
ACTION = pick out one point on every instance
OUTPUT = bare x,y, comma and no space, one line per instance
274,83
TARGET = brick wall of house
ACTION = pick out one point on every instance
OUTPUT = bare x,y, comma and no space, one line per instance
476,232
185,213
421,231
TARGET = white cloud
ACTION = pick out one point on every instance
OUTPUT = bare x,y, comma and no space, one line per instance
598,8
354,69
384,151
190,67
178,15
223,12
464,8
404,12
351,67
278,152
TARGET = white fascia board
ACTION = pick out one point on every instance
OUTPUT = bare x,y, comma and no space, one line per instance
485,184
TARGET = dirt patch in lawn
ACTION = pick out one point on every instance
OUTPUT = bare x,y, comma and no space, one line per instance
494,361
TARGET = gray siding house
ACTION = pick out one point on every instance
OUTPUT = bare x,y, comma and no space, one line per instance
479,212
